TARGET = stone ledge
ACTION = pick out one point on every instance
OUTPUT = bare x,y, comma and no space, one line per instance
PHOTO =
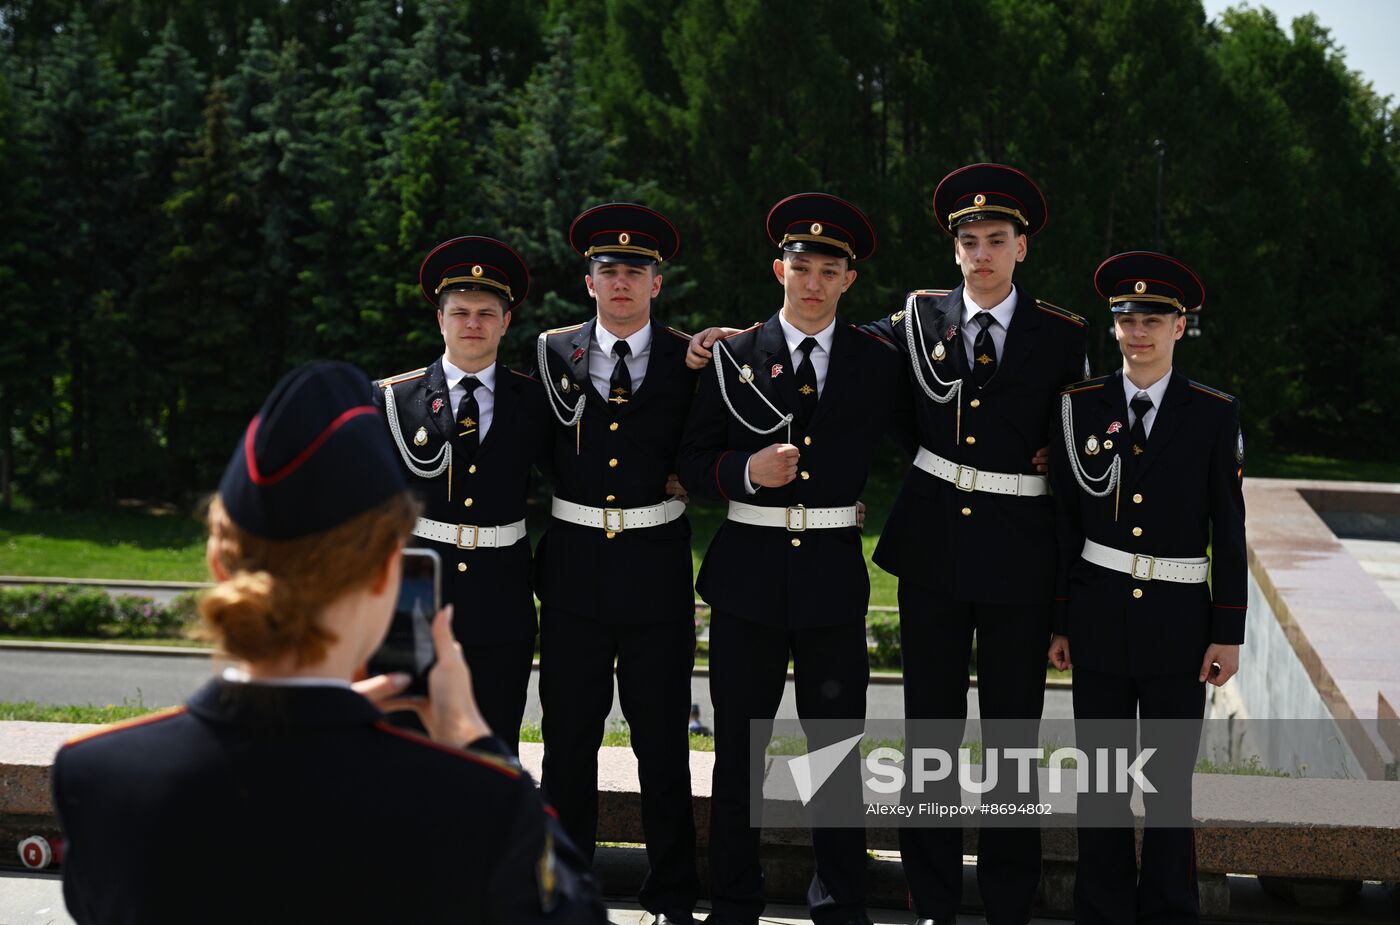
1251,825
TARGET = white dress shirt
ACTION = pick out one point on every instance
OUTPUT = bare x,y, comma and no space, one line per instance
1156,391
821,361
602,360
1002,312
485,393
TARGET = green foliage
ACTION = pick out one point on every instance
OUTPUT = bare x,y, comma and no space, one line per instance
32,712
199,196
91,612
883,629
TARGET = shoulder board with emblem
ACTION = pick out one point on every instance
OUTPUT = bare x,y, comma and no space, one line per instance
1084,385
516,372
401,377
1200,387
681,334
1058,312
936,293
127,724
566,330
503,765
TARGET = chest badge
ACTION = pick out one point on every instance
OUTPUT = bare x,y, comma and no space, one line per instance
1115,427
776,371
1108,444
564,383
746,373
939,351
951,331
420,438
437,405
1091,446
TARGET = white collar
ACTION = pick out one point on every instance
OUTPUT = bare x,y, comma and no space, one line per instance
239,676
1002,311
455,374
794,337
1155,391
637,342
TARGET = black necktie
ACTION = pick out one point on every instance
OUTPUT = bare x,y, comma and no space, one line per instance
620,388
1141,404
806,382
469,418
984,351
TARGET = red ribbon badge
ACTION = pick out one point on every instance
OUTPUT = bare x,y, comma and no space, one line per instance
437,405
1114,427
578,355
951,331
776,371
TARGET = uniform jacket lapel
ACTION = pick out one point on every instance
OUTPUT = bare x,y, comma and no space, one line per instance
661,363
951,321
780,389
1020,340
838,371
1168,418
435,388
506,405
577,361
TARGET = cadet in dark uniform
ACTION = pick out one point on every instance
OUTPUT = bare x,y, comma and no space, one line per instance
971,534
1147,473
613,570
468,429
784,429
279,793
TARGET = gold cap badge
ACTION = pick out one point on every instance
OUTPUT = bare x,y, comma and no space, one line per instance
816,228
1139,287
624,238
979,200
477,270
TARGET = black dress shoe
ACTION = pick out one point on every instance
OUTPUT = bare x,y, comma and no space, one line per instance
719,918
662,918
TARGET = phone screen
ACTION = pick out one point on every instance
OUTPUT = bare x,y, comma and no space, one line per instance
408,646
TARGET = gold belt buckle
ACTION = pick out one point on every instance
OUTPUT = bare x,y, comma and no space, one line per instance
476,532
610,512
801,519
971,479
1151,567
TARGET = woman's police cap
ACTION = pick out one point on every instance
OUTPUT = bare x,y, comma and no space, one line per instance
989,192
316,455
474,263
623,232
822,224
1141,281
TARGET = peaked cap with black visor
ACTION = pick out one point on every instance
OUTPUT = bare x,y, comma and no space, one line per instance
623,232
315,456
818,223
474,263
989,192
1146,282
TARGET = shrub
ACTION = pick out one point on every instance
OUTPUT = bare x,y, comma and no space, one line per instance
883,630
77,611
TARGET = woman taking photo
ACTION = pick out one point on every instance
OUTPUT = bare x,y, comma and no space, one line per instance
278,792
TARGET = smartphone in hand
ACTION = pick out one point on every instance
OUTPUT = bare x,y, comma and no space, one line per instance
408,646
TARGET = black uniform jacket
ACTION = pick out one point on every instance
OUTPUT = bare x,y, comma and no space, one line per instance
618,456
258,803
1002,551
1180,497
492,598
760,573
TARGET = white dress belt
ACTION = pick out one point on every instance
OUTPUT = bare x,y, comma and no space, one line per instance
1146,568
967,478
793,519
470,536
617,519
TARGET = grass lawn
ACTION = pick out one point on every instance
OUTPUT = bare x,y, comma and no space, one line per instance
29,711
103,544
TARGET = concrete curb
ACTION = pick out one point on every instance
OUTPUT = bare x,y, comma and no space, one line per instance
99,648
106,582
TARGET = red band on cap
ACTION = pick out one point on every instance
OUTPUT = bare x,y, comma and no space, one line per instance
296,463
